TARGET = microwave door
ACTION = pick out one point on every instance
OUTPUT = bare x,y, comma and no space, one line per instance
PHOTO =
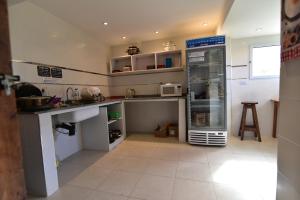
168,90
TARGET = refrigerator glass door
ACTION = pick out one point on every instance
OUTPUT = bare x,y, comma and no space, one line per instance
206,75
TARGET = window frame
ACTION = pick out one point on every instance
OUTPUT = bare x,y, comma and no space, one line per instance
251,61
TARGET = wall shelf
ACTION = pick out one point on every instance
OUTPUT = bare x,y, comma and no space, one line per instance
99,127
150,71
113,120
147,63
116,143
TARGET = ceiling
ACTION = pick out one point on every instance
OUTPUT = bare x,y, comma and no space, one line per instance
138,19
253,18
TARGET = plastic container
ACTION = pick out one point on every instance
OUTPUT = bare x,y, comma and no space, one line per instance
173,130
114,115
168,62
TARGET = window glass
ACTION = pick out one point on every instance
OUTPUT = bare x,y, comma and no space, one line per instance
265,62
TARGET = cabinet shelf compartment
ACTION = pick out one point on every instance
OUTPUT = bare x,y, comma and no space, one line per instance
121,64
113,120
97,129
175,57
144,61
116,142
147,63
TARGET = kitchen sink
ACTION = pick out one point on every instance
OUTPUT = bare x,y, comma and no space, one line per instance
72,103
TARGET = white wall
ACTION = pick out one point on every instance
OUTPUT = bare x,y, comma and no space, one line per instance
245,89
38,36
288,133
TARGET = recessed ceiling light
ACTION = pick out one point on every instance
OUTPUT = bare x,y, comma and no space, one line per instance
156,32
124,37
54,35
204,24
105,23
81,45
258,29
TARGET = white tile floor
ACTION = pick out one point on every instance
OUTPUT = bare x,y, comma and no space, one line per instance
144,170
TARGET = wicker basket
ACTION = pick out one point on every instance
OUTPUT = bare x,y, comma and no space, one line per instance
161,131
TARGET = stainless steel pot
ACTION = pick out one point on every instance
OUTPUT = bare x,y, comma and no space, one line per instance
33,103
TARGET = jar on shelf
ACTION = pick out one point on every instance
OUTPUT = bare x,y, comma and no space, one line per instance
169,46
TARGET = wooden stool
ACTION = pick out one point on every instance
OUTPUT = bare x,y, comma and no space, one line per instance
255,126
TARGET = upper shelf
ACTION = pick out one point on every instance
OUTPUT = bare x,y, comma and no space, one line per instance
158,62
149,71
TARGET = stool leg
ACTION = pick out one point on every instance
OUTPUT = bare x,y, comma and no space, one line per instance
256,123
275,119
253,118
240,129
243,122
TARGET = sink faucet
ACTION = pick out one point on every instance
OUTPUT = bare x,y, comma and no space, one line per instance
69,88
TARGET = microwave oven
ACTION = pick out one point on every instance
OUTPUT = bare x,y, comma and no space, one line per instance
170,90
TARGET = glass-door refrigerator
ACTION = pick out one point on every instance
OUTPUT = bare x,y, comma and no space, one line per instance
206,66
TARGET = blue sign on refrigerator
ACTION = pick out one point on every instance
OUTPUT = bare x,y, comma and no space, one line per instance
207,41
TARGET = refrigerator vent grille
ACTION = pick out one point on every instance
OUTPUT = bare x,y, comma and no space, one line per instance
208,138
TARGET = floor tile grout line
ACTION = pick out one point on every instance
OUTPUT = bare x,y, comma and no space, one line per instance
214,190
130,194
209,163
97,190
175,177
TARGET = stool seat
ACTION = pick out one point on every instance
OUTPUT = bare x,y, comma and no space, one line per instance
255,127
249,102
249,128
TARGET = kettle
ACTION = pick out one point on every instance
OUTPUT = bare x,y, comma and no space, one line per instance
130,93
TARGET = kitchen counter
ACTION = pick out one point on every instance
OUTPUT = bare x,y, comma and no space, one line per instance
70,108
108,101
152,99
38,138
155,96
38,141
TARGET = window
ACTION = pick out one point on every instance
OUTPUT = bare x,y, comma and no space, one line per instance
265,61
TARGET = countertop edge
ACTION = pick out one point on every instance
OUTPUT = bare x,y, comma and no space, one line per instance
61,110
57,111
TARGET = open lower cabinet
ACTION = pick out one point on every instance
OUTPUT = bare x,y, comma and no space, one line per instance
110,126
